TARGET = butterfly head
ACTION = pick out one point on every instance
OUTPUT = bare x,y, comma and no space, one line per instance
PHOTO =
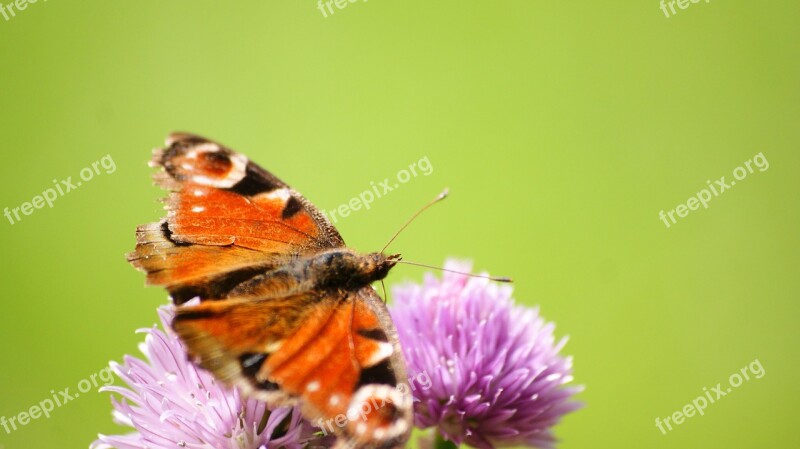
381,264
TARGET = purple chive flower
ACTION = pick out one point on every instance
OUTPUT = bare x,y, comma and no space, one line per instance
495,377
172,404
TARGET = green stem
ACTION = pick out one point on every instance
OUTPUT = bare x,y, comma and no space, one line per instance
440,443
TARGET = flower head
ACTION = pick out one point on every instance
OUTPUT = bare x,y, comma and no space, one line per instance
172,404
496,378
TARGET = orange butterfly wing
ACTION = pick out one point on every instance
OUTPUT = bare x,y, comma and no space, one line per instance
227,219
333,352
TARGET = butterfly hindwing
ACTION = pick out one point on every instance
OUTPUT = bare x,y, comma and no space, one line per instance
334,354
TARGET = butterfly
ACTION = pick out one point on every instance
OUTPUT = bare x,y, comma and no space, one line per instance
286,313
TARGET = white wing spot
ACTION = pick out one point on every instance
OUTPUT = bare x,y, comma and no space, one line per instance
207,147
312,386
273,346
279,194
198,209
385,350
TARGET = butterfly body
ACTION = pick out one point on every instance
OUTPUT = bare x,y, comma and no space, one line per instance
340,269
282,309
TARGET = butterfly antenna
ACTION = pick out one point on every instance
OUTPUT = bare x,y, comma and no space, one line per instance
484,276
438,198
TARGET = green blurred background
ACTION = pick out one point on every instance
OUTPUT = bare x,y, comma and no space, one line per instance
561,129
